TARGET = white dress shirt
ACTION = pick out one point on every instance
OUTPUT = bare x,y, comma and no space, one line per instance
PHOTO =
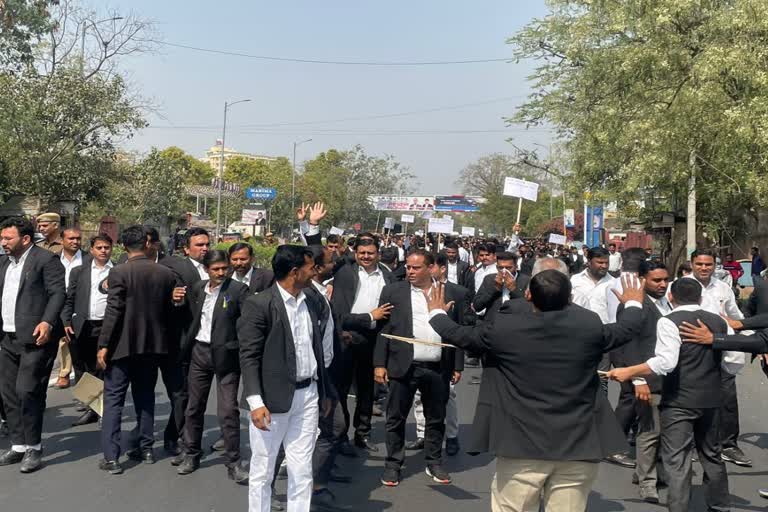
206,318
246,279
453,272
368,292
11,290
482,272
200,269
664,308
400,253
464,255
329,328
422,330
97,304
668,344
614,261
76,261
717,298
590,294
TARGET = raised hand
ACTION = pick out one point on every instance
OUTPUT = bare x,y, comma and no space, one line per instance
436,298
633,289
317,212
301,212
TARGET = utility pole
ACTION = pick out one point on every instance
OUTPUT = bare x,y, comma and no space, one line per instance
221,167
293,177
691,214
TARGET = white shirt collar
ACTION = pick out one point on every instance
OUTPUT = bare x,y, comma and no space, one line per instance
320,288
377,270
213,291
108,264
287,297
23,258
689,307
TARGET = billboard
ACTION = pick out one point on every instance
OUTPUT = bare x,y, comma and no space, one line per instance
456,204
403,203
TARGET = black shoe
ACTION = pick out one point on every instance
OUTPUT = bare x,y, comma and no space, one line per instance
9,457
189,465
219,445
111,466
276,505
33,460
621,459
452,446
87,418
377,411
324,500
339,478
635,479
346,449
736,456
364,442
391,477
4,430
238,473
417,444
438,474
177,460
147,456
171,447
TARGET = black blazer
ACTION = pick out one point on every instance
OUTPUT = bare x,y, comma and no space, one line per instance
462,271
540,399
397,356
261,279
225,349
41,294
184,269
345,285
139,306
78,301
643,345
267,351
758,300
488,298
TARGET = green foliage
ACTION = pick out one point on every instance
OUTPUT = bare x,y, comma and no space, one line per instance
194,171
637,88
22,23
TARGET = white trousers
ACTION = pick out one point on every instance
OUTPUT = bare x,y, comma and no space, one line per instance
297,431
451,415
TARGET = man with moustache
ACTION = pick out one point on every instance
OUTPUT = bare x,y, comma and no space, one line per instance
83,313
49,225
244,272
32,290
71,257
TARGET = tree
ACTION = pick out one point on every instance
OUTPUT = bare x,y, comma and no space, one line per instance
646,95
195,172
23,23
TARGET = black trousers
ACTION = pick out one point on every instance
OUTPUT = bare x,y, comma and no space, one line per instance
625,411
729,412
84,349
24,373
174,374
682,431
201,375
434,384
327,445
140,373
355,365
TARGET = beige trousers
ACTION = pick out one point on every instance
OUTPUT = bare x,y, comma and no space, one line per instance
65,359
521,485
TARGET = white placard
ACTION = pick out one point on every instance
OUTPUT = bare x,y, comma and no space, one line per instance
389,223
467,231
557,239
408,219
521,188
440,226
569,217
336,231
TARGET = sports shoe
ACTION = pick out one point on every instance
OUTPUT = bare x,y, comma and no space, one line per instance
736,456
390,477
438,474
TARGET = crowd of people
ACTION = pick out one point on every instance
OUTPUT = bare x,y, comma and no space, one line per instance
392,320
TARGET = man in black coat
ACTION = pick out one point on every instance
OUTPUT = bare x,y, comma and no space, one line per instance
212,347
506,284
83,312
457,270
283,357
243,270
135,340
355,303
32,289
408,368
542,386
188,270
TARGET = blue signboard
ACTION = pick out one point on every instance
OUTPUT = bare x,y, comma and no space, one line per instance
266,194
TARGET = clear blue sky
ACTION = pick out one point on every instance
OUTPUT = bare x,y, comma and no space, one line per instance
190,87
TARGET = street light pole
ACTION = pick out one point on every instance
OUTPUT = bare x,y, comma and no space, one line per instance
221,166
293,176
85,23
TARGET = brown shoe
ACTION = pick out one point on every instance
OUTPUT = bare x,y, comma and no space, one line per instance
62,383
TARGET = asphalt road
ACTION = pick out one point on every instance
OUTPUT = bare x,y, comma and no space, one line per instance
71,482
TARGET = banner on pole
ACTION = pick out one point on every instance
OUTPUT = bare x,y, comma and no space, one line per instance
336,231
408,219
520,188
557,239
444,226
389,223
467,231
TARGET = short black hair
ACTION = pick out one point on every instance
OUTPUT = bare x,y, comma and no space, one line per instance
318,254
703,252
550,290
684,267
22,225
365,242
197,231
632,258
686,291
441,260
506,256
215,256
239,246
452,245
611,245
646,267
289,257
488,247
152,234
429,258
334,239
389,255
101,237
78,230
134,238
597,252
